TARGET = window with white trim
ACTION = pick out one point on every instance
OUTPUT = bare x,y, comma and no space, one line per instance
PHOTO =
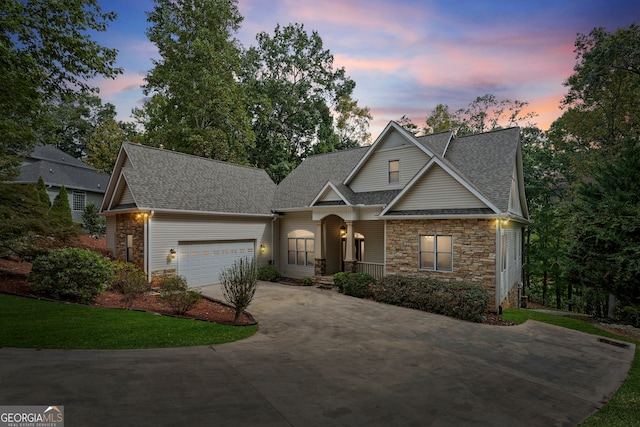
79,201
394,171
436,252
301,247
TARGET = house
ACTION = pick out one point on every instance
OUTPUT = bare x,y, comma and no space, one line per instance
83,183
439,206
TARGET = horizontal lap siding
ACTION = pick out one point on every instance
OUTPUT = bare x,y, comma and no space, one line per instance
169,230
438,190
374,176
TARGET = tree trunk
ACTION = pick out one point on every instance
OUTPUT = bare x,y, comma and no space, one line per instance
545,285
570,296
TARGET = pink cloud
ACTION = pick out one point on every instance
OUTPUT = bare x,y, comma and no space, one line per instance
123,83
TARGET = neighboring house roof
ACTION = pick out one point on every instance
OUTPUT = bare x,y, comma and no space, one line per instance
159,179
58,168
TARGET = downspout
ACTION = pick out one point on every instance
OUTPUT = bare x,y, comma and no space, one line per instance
148,249
272,260
498,262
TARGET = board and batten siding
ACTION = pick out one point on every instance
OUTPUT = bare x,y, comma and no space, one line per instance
514,196
167,231
438,190
293,222
374,174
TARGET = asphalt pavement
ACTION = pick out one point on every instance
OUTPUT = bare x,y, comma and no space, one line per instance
325,359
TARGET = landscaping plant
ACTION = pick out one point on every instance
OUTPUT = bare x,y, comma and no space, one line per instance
268,273
129,280
239,285
70,273
176,294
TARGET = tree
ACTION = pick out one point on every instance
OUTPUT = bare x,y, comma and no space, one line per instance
197,106
486,113
294,94
103,146
60,208
239,285
441,120
91,221
43,196
28,228
605,226
47,51
603,99
69,122
406,123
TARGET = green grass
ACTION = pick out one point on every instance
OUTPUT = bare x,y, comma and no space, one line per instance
623,409
31,323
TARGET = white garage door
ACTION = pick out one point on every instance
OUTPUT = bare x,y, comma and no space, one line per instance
201,263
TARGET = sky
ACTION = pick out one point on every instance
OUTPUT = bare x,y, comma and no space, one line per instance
406,56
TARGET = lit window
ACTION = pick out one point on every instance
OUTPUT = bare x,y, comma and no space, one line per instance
394,171
79,201
301,251
436,252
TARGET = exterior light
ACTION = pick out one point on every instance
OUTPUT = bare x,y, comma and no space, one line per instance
262,249
343,231
172,253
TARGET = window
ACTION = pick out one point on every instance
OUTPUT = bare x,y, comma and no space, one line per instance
436,252
129,248
301,251
79,201
394,171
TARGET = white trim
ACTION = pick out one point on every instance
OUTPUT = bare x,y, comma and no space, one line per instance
372,148
329,186
446,147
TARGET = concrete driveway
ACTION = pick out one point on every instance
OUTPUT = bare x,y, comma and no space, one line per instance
325,359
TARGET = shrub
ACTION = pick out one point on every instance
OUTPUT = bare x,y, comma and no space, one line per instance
460,300
92,222
357,284
268,273
129,280
71,273
339,279
176,294
629,315
307,281
239,285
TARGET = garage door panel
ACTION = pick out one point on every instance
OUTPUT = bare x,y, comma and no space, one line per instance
202,263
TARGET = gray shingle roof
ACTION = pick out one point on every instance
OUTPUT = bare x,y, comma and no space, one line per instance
436,142
487,160
304,183
58,168
167,180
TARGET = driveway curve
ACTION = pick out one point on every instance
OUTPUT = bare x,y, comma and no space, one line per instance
324,359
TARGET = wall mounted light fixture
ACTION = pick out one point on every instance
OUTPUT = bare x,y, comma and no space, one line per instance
172,253
262,249
343,231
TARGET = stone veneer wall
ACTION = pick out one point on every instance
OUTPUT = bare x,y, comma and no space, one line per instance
128,224
474,252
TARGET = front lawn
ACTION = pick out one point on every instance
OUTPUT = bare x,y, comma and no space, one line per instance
31,323
623,409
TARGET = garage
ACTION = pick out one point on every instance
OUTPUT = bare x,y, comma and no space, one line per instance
202,262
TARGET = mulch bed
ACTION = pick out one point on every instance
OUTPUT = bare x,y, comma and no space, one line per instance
13,280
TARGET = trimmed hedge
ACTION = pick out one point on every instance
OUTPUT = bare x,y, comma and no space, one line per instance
72,273
459,300
354,284
268,273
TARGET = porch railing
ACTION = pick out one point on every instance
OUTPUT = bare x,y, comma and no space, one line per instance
373,268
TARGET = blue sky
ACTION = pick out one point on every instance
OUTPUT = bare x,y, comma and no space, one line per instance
406,56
